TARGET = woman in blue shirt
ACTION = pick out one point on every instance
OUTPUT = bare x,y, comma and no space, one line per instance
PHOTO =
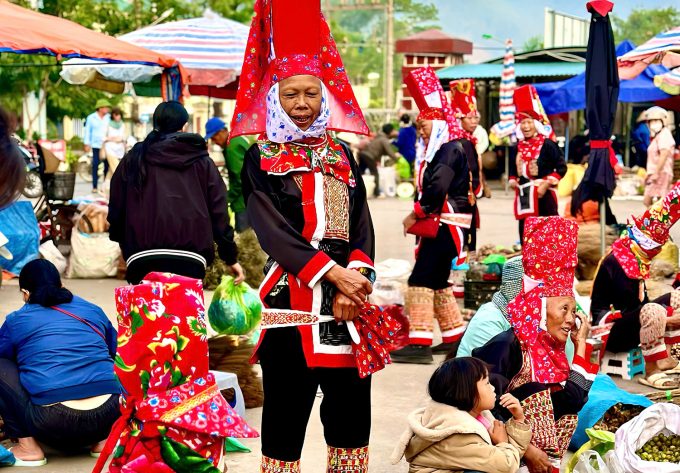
57,383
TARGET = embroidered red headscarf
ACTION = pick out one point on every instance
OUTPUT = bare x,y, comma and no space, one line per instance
646,235
549,258
173,415
288,38
463,104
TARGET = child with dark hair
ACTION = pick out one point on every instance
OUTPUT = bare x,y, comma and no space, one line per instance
456,431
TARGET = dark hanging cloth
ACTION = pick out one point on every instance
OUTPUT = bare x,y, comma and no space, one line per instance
602,93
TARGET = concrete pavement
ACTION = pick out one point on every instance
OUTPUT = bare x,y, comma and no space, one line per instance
396,391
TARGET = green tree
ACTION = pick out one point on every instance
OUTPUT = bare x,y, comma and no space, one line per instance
534,43
643,24
360,35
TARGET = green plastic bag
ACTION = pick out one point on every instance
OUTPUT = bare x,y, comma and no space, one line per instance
403,168
234,309
601,441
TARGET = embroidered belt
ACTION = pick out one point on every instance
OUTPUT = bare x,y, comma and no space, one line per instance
277,318
456,219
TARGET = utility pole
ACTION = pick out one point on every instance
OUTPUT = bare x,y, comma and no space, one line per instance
388,63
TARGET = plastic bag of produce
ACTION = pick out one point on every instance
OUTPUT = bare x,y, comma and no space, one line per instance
661,418
590,462
600,443
234,309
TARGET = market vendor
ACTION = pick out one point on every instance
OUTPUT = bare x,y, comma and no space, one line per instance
464,105
529,360
492,318
443,184
619,286
307,204
659,155
539,163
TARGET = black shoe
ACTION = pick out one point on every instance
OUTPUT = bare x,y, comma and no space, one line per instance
420,354
443,348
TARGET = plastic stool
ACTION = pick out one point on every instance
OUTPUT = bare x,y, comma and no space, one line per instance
226,380
626,364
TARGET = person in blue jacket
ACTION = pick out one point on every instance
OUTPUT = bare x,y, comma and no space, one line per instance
57,384
406,139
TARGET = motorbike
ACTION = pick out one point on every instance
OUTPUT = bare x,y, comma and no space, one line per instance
33,187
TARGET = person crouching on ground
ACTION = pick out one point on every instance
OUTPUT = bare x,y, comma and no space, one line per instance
56,369
456,430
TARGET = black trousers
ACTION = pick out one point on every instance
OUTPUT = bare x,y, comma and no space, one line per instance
56,425
95,167
433,262
290,388
139,268
367,162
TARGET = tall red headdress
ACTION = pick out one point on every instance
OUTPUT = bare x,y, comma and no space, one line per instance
288,38
549,258
528,104
426,90
646,235
463,99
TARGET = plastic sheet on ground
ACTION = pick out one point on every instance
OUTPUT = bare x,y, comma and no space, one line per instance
18,224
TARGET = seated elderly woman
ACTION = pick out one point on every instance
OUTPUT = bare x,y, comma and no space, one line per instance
529,360
492,318
619,288
57,384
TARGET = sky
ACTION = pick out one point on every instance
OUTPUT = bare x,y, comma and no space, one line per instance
515,19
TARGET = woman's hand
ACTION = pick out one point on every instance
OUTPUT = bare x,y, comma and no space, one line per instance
409,221
580,335
344,308
513,184
238,273
498,433
351,283
537,460
542,188
512,404
651,179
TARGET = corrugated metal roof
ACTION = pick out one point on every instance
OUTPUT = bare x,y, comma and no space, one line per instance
522,69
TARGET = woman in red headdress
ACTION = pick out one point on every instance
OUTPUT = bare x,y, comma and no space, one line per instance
308,207
619,294
539,164
443,202
529,360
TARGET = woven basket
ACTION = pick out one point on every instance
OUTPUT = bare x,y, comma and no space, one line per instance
479,292
232,354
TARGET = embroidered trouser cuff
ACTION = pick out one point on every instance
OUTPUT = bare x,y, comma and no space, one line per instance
347,460
270,465
420,307
448,315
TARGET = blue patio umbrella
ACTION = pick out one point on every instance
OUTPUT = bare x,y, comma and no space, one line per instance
564,96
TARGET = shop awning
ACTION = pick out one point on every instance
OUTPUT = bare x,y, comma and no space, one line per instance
522,70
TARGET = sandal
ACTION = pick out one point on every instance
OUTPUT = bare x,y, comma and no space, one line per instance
29,463
674,370
659,381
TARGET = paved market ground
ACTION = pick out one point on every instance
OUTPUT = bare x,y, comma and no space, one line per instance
397,390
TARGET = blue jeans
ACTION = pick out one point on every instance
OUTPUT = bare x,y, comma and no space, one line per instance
95,167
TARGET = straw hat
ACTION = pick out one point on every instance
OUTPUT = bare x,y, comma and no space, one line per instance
656,113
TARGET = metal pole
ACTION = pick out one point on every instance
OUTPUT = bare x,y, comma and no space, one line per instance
626,130
507,169
603,226
389,56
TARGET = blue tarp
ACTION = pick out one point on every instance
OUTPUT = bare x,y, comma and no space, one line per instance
18,224
564,96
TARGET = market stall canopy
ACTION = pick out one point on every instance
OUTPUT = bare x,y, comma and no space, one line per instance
664,49
560,97
210,48
522,70
25,31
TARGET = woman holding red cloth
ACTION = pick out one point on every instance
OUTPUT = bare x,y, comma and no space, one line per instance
308,207
539,164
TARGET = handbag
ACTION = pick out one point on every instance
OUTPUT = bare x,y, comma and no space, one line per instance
426,227
95,329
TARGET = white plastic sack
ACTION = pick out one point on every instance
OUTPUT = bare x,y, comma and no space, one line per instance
93,256
390,284
50,252
613,462
631,436
591,462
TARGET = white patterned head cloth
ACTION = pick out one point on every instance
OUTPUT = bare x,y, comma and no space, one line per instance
280,127
511,284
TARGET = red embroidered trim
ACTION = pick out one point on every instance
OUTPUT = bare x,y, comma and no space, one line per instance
312,268
347,460
270,465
